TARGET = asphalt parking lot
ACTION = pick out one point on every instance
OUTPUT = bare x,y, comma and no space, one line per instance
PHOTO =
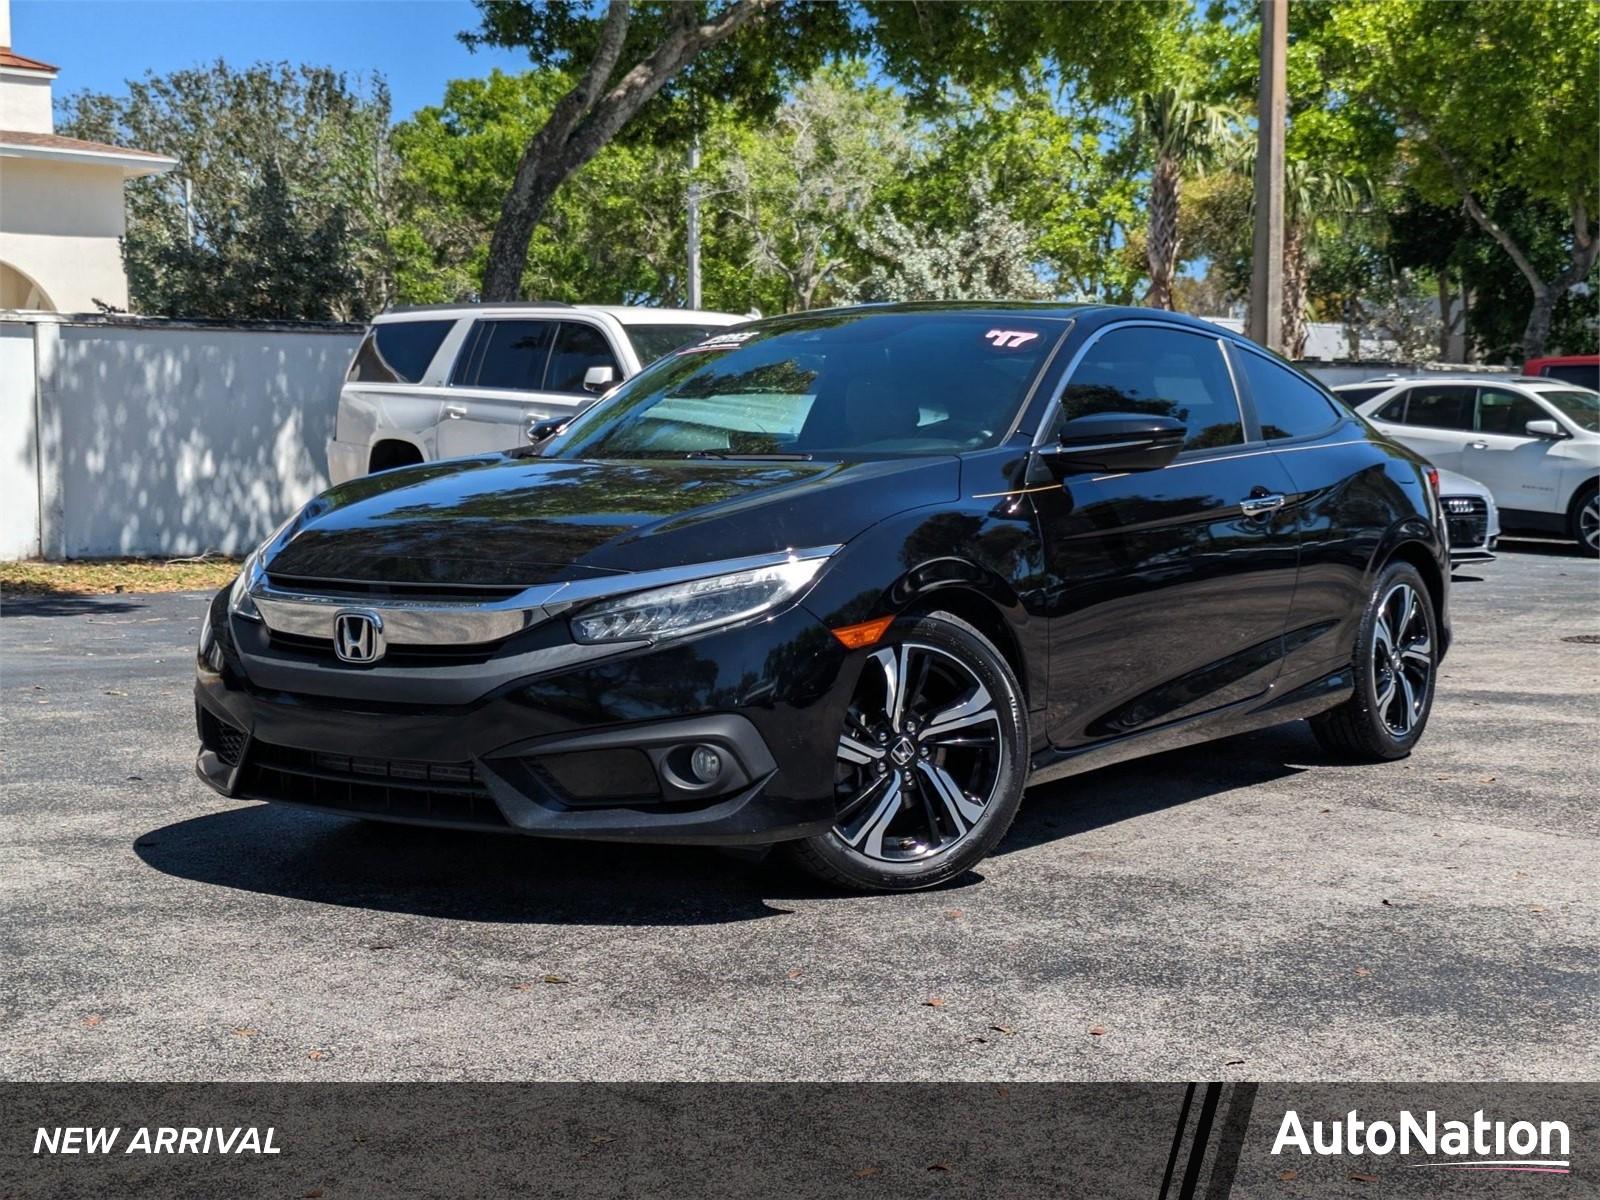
1244,910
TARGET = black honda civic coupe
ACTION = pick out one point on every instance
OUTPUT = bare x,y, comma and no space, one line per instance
846,581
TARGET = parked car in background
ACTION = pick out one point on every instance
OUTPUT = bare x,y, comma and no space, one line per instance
1581,369
443,381
1471,516
844,580
1534,442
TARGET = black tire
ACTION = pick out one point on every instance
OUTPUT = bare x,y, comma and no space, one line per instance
1365,727
1583,520
998,755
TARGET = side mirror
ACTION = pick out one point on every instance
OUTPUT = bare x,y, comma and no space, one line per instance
598,379
542,431
1546,428
1115,442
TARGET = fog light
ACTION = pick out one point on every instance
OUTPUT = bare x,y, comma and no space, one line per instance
705,765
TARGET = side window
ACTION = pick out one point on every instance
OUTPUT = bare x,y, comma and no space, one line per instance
1507,413
1358,395
1442,406
1168,372
578,347
397,351
506,354
1394,411
1287,405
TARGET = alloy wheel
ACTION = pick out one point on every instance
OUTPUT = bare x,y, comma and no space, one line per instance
921,755
1589,523
1402,659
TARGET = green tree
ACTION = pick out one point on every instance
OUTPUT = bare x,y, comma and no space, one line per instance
1184,133
747,53
1040,159
801,187
620,58
1490,96
280,201
613,235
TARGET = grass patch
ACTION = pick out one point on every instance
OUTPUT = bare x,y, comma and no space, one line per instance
104,576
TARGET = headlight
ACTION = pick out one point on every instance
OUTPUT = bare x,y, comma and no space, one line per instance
239,602
685,608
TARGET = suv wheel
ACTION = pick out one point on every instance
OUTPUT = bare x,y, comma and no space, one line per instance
1397,656
1583,523
931,761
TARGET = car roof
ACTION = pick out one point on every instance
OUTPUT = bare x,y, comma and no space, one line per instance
626,314
1481,378
1100,313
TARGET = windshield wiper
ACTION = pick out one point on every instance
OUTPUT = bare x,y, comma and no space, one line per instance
772,457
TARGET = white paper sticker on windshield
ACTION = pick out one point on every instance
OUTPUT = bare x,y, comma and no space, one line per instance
722,341
1009,339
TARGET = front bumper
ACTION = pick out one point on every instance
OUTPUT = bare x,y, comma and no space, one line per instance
592,750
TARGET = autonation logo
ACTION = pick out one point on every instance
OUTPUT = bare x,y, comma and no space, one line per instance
1480,1144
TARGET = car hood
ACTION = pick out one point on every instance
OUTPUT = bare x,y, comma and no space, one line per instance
1452,483
504,521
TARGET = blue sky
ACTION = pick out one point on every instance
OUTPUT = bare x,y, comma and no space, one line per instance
100,43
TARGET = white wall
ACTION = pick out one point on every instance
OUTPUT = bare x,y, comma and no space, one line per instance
19,474
59,225
25,100
169,439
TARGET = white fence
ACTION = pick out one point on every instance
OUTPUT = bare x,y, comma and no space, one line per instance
146,437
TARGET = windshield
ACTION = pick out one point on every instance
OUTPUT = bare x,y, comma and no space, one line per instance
650,342
844,385
1580,407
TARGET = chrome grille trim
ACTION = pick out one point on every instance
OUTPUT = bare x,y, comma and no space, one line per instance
466,623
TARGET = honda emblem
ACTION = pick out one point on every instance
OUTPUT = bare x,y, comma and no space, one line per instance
358,637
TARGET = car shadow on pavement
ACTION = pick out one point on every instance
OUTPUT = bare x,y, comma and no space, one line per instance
323,858
1079,803
455,874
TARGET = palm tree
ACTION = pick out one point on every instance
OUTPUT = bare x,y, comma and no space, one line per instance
1186,135
1314,198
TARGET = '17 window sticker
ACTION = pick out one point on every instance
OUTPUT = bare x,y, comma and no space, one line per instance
1009,339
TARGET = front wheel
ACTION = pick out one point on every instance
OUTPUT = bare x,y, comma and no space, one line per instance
1396,660
930,764
1583,523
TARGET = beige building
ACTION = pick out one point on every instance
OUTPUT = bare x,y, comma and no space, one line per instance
61,204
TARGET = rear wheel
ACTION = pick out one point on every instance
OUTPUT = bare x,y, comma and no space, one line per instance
1583,522
931,761
1397,655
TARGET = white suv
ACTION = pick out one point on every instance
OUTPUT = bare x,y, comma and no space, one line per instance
449,380
1535,443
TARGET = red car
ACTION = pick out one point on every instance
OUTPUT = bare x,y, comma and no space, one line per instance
1581,369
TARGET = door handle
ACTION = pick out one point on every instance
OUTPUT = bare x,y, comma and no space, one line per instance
455,411
1478,445
1256,506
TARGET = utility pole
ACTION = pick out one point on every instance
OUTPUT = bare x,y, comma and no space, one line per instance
692,233
1266,266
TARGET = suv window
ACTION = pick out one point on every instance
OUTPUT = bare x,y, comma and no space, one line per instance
1360,395
1286,405
578,347
650,342
1441,406
506,354
1167,372
1394,411
1507,413
397,351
